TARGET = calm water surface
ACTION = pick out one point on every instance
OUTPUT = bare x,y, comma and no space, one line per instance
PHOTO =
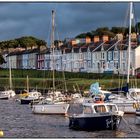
17,121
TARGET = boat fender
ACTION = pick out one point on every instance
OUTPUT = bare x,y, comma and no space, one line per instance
1,133
136,105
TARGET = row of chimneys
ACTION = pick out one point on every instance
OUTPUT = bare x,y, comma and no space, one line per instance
104,38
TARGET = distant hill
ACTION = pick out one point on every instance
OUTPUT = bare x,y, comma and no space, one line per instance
23,42
110,32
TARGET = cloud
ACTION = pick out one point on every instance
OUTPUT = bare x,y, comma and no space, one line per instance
23,19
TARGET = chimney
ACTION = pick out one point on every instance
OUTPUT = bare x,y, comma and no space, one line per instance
105,38
88,40
96,39
119,36
73,42
133,36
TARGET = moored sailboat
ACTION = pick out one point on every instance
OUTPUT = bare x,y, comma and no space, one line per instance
8,93
132,94
52,105
30,96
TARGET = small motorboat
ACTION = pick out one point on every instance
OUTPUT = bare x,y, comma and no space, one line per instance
96,116
32,96
5,95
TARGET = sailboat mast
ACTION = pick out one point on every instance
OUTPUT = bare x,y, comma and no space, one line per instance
65,81
10,74
52,46
129,41
27,83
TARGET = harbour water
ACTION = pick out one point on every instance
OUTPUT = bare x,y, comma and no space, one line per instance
17,121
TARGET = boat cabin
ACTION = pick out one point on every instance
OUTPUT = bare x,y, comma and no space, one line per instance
90,108
34,94
134,93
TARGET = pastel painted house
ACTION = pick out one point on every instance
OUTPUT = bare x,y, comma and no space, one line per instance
85,58
58,59
25,59
96,57
11,59
19,60
134,59
113,57
33,58
41,60
47,60
67,59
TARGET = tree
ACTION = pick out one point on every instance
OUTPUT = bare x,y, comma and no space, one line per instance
2,60
117,30
12,43
82,35
41,43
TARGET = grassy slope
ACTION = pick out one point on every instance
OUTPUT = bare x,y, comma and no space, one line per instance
43,80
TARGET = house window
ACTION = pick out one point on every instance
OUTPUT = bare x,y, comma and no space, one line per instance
89,55
124,55
109,55
111,65
123,66
93,65
102,55
115,55
116,65
80,55
103,65
96,56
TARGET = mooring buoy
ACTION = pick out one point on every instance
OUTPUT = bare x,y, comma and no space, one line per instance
1,133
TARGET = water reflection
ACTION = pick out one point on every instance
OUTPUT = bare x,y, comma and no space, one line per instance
17,121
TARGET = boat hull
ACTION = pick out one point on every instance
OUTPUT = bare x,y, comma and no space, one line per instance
137,112
127,108
93,123
7,94
24,101
125,105
4,98
58,109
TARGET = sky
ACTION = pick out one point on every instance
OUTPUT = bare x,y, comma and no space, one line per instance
19,19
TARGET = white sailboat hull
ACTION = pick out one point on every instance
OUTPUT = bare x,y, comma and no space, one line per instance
126,107
7,94
59,109
4,97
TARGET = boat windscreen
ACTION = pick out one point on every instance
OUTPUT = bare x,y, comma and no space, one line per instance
100,109
87,110
111,108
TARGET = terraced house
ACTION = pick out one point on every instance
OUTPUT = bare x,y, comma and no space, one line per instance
100,55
